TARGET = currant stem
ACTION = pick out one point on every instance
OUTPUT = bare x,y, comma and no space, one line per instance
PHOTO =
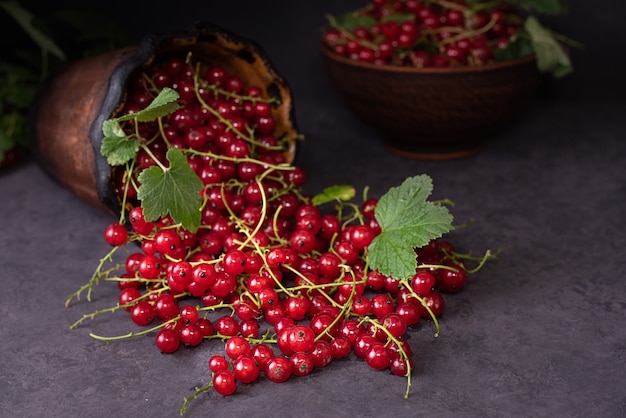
135,334
407,285
403,353
95,278
193,396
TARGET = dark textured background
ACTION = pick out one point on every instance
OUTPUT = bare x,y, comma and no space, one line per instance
539,332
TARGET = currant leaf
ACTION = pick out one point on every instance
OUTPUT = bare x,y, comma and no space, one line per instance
351,21
341,192
174,190
163,104
116,146
550,55
407,221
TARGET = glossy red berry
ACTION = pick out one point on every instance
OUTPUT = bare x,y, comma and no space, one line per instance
224,382
278,369
246,369
237,346
167,340
142,313
301,338
116,234
377,357
301,363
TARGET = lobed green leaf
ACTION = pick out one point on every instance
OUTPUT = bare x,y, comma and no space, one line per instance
174,190
407,221
163,104
551,57
116,146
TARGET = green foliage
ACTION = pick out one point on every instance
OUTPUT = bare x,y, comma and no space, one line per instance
351,21
408,221
332,193
162,105
551,58
116,146
174,190
35,50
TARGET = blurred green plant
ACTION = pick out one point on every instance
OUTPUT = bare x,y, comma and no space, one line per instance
37,48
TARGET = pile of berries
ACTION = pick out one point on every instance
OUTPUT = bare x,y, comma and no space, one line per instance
424,33
282,282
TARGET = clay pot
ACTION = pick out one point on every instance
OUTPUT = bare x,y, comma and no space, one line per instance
66,118
434,113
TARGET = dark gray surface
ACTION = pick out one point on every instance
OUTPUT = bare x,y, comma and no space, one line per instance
539,332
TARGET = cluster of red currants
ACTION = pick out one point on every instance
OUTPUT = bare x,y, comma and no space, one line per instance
283,282
423,33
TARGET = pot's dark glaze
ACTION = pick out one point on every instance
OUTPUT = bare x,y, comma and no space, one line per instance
434,113
66,118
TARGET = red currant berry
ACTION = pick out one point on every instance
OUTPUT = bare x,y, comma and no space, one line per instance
301,364
246,369
142,313
224,382
301,338
190,335
167,340
218,363
237,346
435,302
116,234
262,353
377,357
382,304
278,369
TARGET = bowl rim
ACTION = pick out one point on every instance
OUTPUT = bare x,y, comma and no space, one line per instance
330,54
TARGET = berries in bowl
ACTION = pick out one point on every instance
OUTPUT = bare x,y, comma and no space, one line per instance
438,78
199,91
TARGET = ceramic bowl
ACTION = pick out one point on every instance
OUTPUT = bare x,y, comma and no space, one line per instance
434,113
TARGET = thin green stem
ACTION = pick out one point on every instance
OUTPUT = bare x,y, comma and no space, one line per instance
193,396
95,278
134,334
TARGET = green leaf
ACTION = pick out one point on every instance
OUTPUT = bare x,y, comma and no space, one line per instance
408,221
341,192
174,190
351,21
162,105
116,146
551,57
32,27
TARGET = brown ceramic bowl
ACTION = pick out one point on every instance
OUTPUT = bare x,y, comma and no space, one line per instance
66,118
434,113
